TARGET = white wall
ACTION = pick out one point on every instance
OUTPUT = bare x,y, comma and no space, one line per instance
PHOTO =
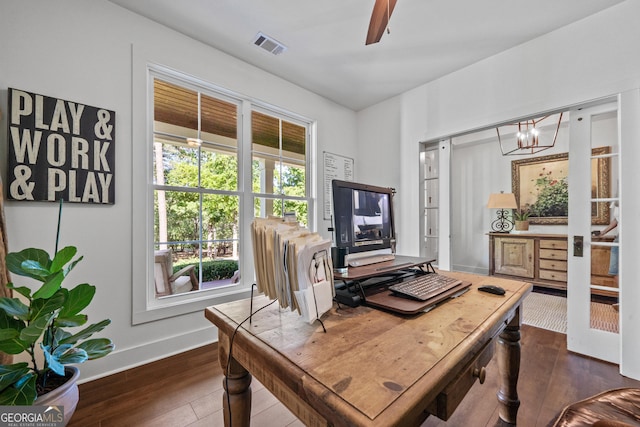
588,60
82,51
378,139
388,156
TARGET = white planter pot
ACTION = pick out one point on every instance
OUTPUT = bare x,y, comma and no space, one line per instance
67,395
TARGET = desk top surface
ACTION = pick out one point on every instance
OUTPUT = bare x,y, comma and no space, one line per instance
370,364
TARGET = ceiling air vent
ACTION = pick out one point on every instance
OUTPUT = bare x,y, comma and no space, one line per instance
269,44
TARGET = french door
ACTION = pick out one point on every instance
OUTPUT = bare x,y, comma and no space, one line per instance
594,202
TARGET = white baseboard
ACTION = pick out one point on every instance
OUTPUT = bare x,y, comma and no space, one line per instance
121,360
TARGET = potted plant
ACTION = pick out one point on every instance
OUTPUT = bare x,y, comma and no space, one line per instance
521,217
38,326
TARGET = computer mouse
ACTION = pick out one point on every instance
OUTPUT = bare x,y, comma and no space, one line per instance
492,289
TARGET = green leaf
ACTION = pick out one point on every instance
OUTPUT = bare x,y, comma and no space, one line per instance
22,290
41,307
14,345
10,342
50,286
24,393
71,322
61,349
14,307
34,330
74,355
63,355
35,269
8,334
9,374
9,322
97,348
70,266
60,335
34,257
63,256
79,298
86,333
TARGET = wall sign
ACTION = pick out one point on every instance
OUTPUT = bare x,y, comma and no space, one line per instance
60,150
335,167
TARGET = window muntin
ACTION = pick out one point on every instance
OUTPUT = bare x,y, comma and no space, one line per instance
198,165
195,163
279,165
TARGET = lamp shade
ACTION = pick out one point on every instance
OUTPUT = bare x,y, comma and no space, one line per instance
502,201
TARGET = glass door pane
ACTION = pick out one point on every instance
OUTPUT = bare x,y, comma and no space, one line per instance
605,214
430,201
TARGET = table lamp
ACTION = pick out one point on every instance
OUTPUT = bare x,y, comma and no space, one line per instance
502,201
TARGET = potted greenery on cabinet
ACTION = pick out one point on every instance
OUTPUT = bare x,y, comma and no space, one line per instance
521,217
37,329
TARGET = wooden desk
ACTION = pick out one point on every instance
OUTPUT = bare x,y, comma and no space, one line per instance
372,367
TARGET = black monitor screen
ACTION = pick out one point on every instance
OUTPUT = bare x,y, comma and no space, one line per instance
363,216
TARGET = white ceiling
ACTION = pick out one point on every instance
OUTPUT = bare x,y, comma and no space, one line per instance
325,39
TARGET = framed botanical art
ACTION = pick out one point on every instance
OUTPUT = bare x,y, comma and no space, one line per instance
540,185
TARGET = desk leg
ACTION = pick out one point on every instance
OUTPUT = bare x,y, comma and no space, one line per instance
509,365
236,400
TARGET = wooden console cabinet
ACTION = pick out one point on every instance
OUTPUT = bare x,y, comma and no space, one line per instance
542,259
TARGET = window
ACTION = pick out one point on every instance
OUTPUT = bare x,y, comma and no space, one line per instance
279,164
195,182
201,208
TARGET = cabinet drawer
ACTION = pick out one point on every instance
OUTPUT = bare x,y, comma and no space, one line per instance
551,264
560,276
553,244
449,399
553,254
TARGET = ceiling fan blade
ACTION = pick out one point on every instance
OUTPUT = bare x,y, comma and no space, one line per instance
379,20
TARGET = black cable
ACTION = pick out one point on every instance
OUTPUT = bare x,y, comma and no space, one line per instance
249,318
226,377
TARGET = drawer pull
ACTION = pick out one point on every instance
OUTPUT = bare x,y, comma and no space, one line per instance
480,373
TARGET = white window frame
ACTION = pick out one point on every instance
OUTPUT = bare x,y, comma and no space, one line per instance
285,116
146,306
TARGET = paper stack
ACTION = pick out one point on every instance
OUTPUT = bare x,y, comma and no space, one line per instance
293,265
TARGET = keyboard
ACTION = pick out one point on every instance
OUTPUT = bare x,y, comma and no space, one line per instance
359,262
425,287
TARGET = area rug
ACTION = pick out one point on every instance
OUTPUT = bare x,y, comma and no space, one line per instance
545,312
550,312
604,317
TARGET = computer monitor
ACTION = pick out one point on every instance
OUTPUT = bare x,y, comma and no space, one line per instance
363,216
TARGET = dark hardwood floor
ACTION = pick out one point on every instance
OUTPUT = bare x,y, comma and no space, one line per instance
186,390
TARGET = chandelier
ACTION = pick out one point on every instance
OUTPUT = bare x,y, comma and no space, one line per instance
527,137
